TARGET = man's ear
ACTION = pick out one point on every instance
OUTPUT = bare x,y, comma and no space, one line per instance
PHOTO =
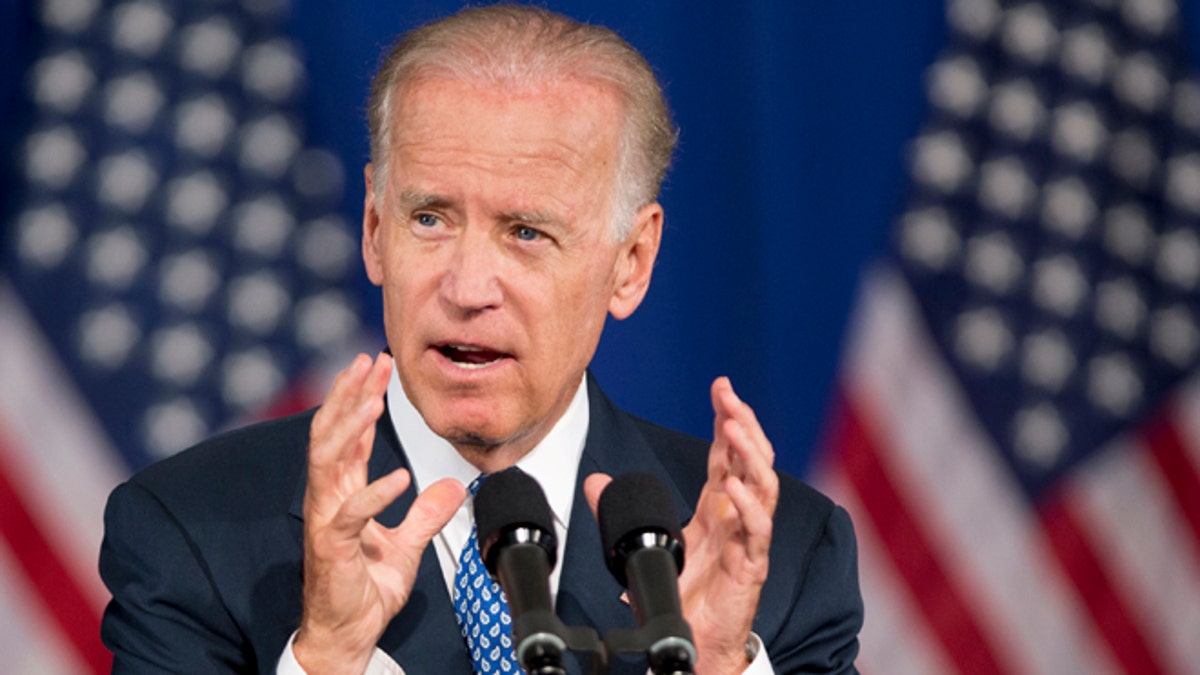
372,250
635,261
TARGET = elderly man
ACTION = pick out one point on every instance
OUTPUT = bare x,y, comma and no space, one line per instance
511,205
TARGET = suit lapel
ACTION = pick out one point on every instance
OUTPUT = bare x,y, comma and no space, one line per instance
424,637
588,594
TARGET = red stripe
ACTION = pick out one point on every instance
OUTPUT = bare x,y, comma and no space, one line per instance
1082,564
908,547
62,596
1178,470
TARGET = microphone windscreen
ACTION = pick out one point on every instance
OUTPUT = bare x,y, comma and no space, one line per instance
633,503
508,499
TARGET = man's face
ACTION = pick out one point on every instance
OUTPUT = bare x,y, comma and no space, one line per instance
492,244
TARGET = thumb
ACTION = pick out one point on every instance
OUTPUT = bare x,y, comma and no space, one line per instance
593,487
430,512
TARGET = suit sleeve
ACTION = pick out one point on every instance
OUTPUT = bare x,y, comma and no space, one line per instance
821,634
165,614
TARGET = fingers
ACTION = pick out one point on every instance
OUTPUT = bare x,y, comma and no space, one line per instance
430,512
593,487
343,431
360,507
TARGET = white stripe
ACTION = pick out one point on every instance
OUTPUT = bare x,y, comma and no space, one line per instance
29,639
913,651
1131,518
945,469
63,464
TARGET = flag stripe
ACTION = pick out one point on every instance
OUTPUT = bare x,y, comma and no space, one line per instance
1177,470
30,640
942,607
62,596
916,651
1131,519
1082,564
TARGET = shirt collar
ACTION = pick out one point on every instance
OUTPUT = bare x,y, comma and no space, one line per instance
554,462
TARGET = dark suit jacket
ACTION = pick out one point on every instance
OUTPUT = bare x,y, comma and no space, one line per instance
202,553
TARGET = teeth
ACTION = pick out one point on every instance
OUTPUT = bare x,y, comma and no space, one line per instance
473,366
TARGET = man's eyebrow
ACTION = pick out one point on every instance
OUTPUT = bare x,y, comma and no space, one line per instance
415,199
533,217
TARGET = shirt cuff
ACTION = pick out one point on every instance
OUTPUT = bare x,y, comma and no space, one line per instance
380,663
761,663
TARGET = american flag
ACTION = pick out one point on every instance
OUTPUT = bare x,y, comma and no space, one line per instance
173,264
1018,431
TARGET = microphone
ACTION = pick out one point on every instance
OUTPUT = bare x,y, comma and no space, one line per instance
515,527
643,548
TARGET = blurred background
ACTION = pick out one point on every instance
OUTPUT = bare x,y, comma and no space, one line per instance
949,253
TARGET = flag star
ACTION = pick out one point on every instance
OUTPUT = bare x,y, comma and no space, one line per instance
1087,53
1029,33
1141,83
262,225
273,70
195,201
172,426
941,161
203,125
115,257
1120,307
1078,132
268,145
1040,435
1133,157
1114,384
325,247
1068,207
1185,108
957,85
1174,336
107,336
1178,260
1017,109
53,156
983,338
257,302
929,238
62,81
1127,232
976,18
993,262
180,354
140,27
326,321
1059,285
318,174
126,180
250,379
209,47
69,16
188,280
1005,186
1183,183
1047,359
133,101
1152,17
45,235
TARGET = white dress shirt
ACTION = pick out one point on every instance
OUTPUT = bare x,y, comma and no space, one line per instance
554,463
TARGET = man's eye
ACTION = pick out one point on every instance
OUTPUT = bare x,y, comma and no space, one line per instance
427,220
526,233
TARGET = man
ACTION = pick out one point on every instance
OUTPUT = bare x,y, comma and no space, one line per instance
510,207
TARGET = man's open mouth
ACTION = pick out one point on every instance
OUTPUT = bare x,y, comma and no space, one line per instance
470,356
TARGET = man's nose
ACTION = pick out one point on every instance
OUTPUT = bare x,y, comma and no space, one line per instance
472,279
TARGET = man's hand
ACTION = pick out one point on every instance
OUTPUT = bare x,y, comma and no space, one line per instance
357,573
728,539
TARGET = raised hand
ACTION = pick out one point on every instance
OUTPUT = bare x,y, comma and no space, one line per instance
358,574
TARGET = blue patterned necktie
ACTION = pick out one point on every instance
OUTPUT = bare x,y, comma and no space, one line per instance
482,611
